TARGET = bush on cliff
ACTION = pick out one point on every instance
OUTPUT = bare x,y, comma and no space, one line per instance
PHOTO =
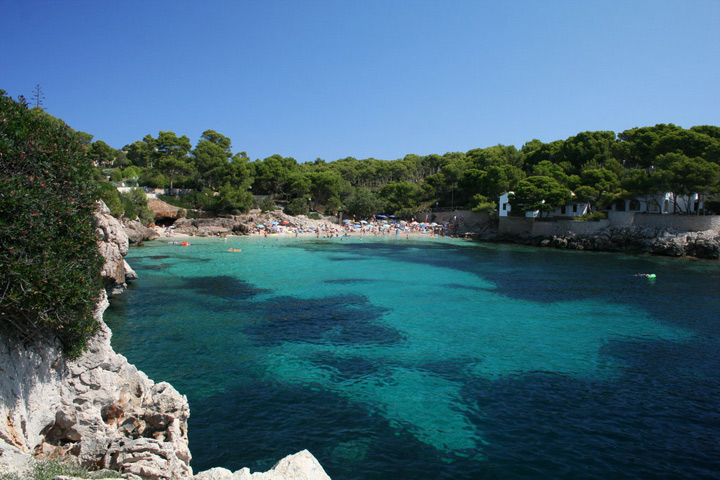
49,261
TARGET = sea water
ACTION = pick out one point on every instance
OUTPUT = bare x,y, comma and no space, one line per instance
432,358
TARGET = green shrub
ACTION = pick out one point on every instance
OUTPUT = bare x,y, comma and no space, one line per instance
592,217
135,203
49,261
110,195
297,206
268,205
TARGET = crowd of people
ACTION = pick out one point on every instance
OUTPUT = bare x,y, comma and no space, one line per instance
375,227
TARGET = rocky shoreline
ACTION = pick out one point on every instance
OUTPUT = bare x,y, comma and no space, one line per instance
633,239
100,410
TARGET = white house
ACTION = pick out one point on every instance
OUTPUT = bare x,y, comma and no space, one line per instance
572,209
660,203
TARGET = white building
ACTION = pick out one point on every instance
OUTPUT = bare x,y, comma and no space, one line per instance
572,209
660,203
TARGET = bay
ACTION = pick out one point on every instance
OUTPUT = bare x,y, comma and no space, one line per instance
408,358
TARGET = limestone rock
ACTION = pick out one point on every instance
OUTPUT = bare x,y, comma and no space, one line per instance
113,244
137,232
300,466
163,210
98,409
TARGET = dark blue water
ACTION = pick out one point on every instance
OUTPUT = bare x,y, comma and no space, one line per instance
432,359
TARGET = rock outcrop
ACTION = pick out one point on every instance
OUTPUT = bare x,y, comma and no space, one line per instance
301,466
203,227
100,410
113,244
137,232
163,211
634,239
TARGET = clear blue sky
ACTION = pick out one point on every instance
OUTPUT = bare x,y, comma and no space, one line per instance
365,78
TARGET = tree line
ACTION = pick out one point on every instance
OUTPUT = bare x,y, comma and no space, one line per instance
598,167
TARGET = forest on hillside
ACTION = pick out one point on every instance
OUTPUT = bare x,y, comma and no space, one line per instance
599,167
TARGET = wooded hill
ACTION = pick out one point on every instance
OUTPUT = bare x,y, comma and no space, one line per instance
600,167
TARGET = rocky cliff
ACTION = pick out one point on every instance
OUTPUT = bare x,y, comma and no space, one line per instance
100,409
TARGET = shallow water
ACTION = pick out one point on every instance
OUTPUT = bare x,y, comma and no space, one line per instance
404,359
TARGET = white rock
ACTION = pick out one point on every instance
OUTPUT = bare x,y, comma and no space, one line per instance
300,466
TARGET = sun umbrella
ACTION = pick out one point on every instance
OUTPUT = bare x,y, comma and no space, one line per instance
347,221
274,223
261,226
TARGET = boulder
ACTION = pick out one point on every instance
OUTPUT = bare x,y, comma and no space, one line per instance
137,232
300,466
163,210
113,245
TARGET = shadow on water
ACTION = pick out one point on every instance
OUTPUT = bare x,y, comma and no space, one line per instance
339,320
222,286
366,446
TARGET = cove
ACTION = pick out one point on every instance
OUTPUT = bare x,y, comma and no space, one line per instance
396,358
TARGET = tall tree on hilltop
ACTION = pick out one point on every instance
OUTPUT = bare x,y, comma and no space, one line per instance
38,96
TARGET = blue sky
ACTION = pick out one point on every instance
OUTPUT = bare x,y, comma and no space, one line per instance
330,78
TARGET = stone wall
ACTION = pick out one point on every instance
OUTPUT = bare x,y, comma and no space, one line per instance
528,227
564,227
682,223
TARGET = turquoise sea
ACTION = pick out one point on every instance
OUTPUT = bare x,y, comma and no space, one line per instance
432,358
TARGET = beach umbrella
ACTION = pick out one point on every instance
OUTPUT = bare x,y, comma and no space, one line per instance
347,221
363,221
261,226
274,223
381,216
285,222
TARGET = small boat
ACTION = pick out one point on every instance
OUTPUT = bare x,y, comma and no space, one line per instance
234,250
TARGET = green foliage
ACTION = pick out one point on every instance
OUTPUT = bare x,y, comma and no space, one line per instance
49,261
539,193
154,179
297,206
101,154
47,470
268,205
131,172
480,203
599,166
232,200
110,195
363,204
116,175
135,204
592,217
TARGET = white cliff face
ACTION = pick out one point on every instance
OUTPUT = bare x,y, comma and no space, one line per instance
113,244
100,409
